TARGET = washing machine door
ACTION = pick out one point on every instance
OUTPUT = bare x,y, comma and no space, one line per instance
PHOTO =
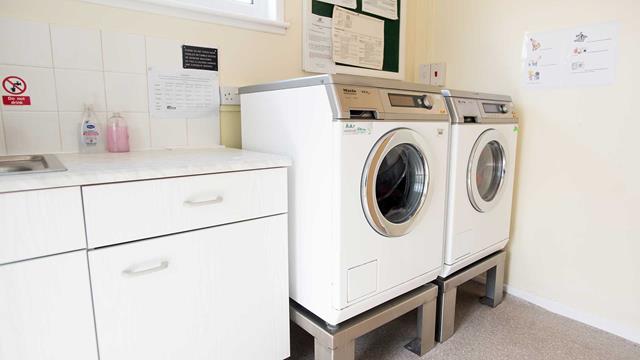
395,182
486,170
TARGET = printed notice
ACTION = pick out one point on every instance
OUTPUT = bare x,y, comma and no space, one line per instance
199,58
345,3
384,8
357,39
319,45
183,94
572,57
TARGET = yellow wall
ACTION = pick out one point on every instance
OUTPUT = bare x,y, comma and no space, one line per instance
246,56
575,234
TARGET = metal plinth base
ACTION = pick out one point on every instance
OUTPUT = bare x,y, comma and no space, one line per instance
493,265
338,342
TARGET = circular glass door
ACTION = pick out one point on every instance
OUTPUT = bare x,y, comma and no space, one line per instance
395,182
486,170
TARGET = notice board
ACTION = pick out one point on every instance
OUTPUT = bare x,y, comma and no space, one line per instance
394,41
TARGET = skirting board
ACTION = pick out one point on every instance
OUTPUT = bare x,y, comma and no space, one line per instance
566,311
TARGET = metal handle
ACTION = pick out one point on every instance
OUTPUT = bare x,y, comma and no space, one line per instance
138,270
216,200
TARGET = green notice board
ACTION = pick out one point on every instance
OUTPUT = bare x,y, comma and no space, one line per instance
392,32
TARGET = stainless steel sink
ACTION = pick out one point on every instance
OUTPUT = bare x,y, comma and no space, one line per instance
29,164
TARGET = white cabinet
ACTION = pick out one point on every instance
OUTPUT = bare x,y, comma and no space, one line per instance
117,213
41,222
217,293
45,309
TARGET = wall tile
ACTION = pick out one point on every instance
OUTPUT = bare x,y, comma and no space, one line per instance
139,133
40,87
204,132
32,132
78,87
76,48
70,123
3,148
126,92
164,53
124,52
25,43
167,133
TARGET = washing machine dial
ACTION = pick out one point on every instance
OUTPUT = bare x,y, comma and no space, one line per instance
426,102
504,108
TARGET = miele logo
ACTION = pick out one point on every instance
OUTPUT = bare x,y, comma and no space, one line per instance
350,91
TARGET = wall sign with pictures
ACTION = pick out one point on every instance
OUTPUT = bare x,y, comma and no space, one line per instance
358,37
580,56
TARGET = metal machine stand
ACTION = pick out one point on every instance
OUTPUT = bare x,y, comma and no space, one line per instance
493,265
338,342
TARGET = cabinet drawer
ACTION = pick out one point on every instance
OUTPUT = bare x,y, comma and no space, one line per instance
42,222
117,213
216,293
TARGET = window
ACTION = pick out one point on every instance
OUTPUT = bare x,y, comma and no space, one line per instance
263,15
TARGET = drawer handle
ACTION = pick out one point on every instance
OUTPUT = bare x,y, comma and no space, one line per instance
194,203
139,270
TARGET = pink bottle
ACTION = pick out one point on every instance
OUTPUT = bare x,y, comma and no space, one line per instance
117,134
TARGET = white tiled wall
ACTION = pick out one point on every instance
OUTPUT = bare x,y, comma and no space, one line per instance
3,147
66,67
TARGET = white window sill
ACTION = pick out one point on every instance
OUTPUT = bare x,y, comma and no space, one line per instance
200,14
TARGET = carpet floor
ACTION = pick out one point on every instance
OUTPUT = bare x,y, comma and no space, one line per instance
515,330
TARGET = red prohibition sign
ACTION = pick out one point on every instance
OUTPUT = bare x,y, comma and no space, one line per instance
14,85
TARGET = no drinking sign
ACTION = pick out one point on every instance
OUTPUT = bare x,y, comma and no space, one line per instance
15,87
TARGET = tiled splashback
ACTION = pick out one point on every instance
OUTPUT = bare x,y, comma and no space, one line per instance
66,67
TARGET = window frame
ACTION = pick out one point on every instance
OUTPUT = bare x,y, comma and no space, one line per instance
263,15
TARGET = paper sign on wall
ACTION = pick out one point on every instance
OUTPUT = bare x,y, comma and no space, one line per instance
572,57
183,94
345,3
357,39
384,8
319,45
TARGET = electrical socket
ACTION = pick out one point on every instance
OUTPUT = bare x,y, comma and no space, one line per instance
438,74
229,95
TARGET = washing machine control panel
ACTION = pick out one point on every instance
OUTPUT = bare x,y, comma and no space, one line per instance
495,108
410,101
471,111
358,102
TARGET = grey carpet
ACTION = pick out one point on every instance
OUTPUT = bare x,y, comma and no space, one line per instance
515,330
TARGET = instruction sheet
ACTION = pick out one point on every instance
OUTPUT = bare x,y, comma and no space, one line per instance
357,39
385,8
580,56
319,45
183,94
345,3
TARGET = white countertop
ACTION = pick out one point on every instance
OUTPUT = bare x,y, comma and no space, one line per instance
90,169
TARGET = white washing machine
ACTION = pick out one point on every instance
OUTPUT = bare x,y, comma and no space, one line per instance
367,186
482,160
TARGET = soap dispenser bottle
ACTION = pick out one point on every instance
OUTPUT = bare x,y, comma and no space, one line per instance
117,134
89,131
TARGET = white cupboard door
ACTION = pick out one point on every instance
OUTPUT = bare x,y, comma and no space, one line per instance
218,293
45,309
41,222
